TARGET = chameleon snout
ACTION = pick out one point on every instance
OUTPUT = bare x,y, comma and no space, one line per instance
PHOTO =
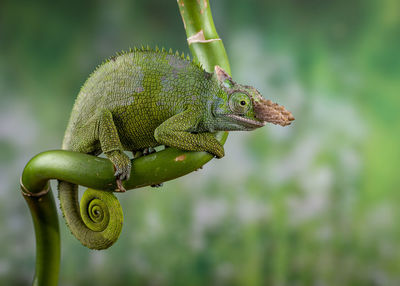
267,111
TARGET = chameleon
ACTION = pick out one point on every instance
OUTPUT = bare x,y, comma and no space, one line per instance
145,98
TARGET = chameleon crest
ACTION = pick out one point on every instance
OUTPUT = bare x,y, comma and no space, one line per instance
142,99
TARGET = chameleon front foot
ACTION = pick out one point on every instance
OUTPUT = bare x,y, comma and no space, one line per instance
122,167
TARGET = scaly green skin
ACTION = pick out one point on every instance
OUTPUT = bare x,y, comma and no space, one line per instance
147,98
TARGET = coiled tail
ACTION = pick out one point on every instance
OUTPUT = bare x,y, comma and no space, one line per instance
97,222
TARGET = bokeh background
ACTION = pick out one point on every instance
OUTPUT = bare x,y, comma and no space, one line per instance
316,203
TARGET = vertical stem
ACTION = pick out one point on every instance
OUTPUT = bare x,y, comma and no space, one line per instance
45,221
203,40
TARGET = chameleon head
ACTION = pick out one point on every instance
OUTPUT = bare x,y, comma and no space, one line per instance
244,108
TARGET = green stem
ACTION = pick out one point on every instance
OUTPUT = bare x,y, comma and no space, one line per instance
97,173
207,47
45,221
203,40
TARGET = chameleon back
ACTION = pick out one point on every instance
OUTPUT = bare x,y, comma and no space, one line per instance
142,89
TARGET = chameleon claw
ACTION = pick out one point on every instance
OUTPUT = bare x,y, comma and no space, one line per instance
148,151
157,185
144,152
122,175
120,187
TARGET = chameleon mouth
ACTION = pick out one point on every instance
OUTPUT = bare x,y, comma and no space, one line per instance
249,122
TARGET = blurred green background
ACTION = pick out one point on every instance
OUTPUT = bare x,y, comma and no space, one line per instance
316,203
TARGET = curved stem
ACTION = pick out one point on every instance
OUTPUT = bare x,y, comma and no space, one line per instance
98,173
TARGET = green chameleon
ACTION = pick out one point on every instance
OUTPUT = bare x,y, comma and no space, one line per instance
146,98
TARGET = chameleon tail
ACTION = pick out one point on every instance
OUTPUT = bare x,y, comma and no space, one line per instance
97,223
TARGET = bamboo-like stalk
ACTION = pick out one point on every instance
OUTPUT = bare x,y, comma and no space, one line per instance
203,40
45,221
97,173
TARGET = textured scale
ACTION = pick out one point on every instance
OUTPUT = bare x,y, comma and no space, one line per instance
141,89
145,98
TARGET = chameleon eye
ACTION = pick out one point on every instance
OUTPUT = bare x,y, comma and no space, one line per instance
239,102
